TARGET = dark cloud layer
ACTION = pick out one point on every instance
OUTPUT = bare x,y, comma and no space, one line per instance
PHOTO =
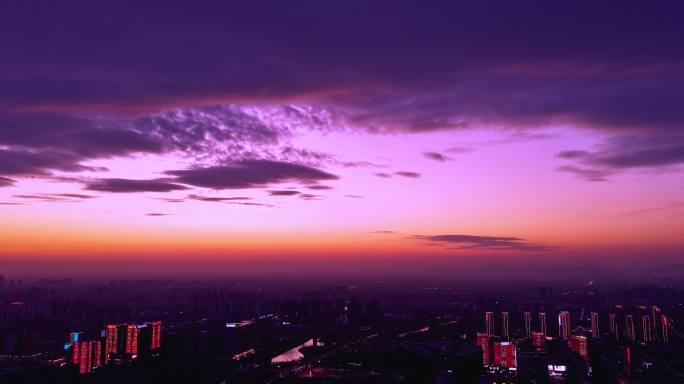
482,242
131,186
6,182
250,174
67,97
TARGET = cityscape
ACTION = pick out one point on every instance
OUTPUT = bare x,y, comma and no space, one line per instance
341,192
220,331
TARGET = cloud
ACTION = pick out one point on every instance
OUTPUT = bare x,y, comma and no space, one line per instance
383,175
319,187
56,197
482,242
250,174
589,174
383,232
157,214
619,154
6,182
308,196
131,186
29,163
437,156
354,196
408,174
217,199
254,82
283,193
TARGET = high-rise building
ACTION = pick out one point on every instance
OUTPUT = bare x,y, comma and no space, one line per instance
84,357
646,328
542,323
132,339
595,325
656,315
614,325
538,340
74,338
578,344
629,328
666,331
155,334
528,324
89,355
504,324
111,338
483,341
504,354
489,322
564,325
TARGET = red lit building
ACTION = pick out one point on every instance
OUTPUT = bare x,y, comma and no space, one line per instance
155,334
111,335
132,339
578,344
483,342
504,354
89,355
538,340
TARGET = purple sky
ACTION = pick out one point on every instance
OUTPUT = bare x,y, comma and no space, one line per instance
342,129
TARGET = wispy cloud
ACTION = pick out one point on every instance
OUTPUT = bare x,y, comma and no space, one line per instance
482,242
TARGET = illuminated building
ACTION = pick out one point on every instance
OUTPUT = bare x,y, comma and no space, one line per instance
504,354
84,357
528,324
89,355
132,339
629,328
538,340
666,331
564,325
483,341
646,328
489,322
111,335
595,325
96,347
155,334
542,323
578,344
74,338
614,325
504,324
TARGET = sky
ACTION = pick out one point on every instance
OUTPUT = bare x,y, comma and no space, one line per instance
350,135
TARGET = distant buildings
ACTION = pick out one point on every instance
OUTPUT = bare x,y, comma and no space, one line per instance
564,325
595,325
504,324
528,324
489,322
